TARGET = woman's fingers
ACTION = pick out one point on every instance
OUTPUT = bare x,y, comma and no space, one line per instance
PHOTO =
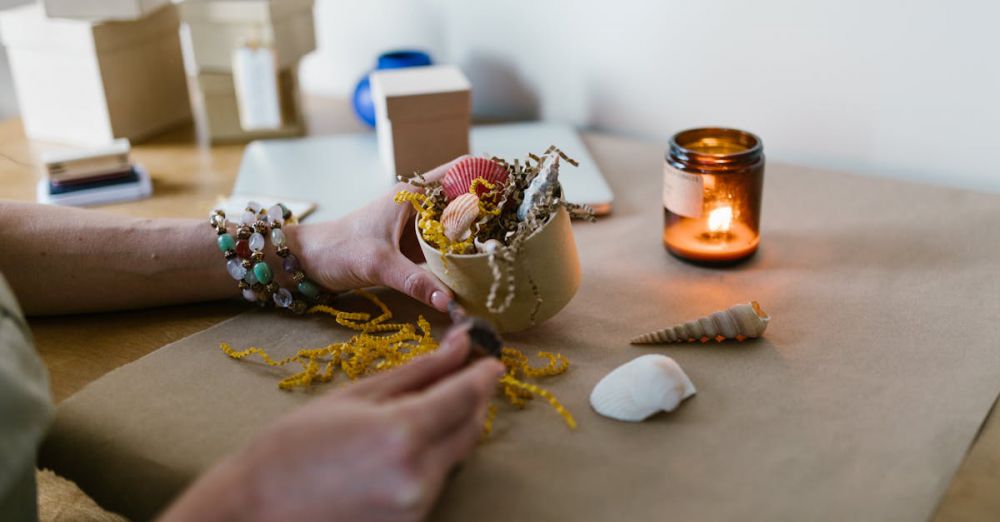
437,173
404,231
409,246
419,373
402,274
437,461
430,176
450,404
456,446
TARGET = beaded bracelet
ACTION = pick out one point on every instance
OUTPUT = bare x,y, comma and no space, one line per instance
245,257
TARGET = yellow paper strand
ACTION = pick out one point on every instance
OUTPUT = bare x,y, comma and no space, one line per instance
427,221
397,344
491,191
491,415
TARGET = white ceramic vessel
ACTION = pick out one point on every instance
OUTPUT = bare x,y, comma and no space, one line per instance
548,258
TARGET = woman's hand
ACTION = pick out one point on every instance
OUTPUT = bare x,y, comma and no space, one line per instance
379,449
375,245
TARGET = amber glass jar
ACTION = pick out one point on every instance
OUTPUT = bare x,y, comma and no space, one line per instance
712,184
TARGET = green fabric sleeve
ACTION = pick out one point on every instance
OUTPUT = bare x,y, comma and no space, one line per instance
25,410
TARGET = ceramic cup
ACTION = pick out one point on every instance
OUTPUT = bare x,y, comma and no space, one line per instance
548,257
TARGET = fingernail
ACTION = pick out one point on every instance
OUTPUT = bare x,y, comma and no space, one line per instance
440,300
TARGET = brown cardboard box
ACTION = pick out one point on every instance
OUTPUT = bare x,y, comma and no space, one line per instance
422,117
216,114
216,28
88,83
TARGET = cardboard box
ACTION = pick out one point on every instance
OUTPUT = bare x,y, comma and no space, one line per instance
216,113
214,28
102,10
88,83
422,117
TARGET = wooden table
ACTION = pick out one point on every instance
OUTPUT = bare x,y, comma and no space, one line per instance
187,181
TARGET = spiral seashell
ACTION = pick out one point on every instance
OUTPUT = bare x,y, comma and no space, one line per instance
641,388
740,322
458,180
458,217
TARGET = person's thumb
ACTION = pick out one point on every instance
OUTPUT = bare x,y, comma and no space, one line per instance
403,275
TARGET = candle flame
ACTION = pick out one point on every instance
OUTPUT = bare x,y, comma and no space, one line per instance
720,219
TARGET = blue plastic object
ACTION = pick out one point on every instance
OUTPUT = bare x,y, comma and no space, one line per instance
364,108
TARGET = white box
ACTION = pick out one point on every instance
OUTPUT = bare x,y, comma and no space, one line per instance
422,117
215,28
102,10
86,84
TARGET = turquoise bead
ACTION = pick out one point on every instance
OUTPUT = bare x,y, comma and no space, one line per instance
226,242
308,289
262,272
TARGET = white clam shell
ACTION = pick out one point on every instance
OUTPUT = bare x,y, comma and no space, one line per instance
641,388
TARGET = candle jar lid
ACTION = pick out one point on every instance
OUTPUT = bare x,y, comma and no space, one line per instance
715,150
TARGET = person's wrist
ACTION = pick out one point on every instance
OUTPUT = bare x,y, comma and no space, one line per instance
298,250
277,263
266,274
305,265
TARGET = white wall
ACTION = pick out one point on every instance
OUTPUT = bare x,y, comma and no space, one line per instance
907,88
889,87
350,35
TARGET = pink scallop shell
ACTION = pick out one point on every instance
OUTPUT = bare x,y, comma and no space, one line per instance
459,177
458,217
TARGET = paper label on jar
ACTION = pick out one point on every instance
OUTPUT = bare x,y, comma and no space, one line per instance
682,192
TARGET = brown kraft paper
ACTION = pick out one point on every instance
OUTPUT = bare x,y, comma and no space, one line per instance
879,365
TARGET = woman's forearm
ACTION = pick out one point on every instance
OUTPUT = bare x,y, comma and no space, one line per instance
66,260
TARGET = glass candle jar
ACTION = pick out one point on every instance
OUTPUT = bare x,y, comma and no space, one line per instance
712,184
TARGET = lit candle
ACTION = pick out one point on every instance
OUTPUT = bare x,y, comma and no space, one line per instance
713,180
720,219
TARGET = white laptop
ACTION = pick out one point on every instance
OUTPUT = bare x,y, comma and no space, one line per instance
340,173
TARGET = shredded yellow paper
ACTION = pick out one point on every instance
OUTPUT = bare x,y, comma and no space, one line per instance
428,217
382,344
